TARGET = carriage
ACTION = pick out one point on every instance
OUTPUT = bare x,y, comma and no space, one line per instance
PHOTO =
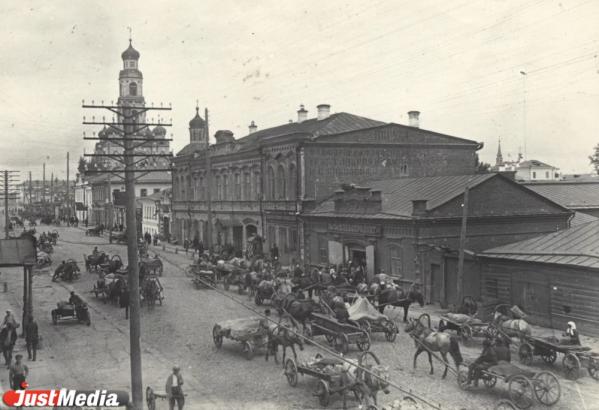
248,331
339,334
265,291
202,275
465,325
333,376
118,237
66,310
231,274
367,317
93,263
112,265
153,265
523,385
46,247
109,286
151,397
575,357
95,231
151,290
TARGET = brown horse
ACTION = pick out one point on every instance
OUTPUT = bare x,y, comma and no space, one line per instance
398,298
284,334
428,340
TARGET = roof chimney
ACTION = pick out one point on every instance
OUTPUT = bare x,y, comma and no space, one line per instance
253,127
414,117
324,110
419,207
302,114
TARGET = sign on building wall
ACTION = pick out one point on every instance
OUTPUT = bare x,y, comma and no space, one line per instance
350,228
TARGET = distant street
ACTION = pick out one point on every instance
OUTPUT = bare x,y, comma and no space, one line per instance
180,332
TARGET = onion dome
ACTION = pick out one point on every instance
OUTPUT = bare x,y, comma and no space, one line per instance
148,133
130,53
197,121
159,131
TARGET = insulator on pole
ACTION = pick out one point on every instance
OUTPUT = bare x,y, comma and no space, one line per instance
160,104
82,102
92,102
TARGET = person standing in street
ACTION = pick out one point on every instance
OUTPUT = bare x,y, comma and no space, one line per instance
31,338
9,318
8,338
174,391
18,373
124,300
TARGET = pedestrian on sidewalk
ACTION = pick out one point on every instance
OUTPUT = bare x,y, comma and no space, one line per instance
186,245
174,391
155,239
8,338
18,373
124,301
9,318
31,338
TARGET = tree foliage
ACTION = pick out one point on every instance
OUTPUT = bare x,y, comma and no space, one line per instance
595,158
481,167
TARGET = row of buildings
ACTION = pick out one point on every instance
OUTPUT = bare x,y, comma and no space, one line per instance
334,188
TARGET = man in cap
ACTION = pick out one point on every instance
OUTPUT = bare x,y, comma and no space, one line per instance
487,358
18,373
31,338
9,318
174,390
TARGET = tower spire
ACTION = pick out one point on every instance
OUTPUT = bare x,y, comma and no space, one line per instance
499,157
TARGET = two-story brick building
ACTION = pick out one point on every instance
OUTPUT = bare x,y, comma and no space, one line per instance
262,183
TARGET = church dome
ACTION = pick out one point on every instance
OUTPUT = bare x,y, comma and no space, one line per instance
130,53
197,121
159,131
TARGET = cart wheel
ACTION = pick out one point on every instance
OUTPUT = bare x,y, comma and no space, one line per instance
54,318
525,354
364,342
391,332
466,333
365,324
490,381
248,350
571,364
593,370
341,343
463,379
322,391
505,405
520,391
291,372
549,356
258,299
150,398
217,336
547,388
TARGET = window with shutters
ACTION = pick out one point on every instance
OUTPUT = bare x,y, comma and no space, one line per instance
395,260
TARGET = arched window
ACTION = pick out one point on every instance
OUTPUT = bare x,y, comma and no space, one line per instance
270,183
292,182
133,89
281,183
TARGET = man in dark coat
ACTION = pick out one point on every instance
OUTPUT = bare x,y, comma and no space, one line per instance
31,338
274,252
487,358
124,300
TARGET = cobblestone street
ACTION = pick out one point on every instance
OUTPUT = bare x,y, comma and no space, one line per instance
180,332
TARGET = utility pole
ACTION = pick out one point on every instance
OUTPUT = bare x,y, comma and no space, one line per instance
462,244
9,192
68,207
130,137
44,184
208,182
30,190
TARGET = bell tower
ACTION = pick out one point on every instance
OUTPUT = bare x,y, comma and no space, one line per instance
131,81
198,129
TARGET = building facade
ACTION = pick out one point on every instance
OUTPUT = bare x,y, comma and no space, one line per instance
261,184
155,210
533,170
408,227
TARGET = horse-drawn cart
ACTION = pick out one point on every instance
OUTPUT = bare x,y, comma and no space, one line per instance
575,357
366,315
151,397
523,385
153,265
250,332
95,231
465,325
339,334
336,376
66,310
151,290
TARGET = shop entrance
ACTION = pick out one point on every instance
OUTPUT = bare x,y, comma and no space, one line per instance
357,256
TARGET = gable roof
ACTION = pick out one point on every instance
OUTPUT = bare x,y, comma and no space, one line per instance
534,163
398,193
582,218
577,246
572,195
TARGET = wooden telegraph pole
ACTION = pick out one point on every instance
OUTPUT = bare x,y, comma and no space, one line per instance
460,278
9,192
128,134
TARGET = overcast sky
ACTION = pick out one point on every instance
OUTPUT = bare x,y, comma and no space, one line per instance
457,62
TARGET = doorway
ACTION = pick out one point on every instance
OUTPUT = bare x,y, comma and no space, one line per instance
357,257
238,238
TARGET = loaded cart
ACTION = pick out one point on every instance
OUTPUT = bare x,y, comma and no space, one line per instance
250,332
370,319
339,334
575,357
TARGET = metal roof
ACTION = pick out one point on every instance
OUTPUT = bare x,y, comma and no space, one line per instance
577,246
398,193
573,195
534,163
582,218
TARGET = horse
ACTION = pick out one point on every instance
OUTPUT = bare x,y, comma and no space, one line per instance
300,310
150,291
115,289
398,298
284,334
429,340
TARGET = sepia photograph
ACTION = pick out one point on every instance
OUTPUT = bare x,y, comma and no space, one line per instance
293,205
